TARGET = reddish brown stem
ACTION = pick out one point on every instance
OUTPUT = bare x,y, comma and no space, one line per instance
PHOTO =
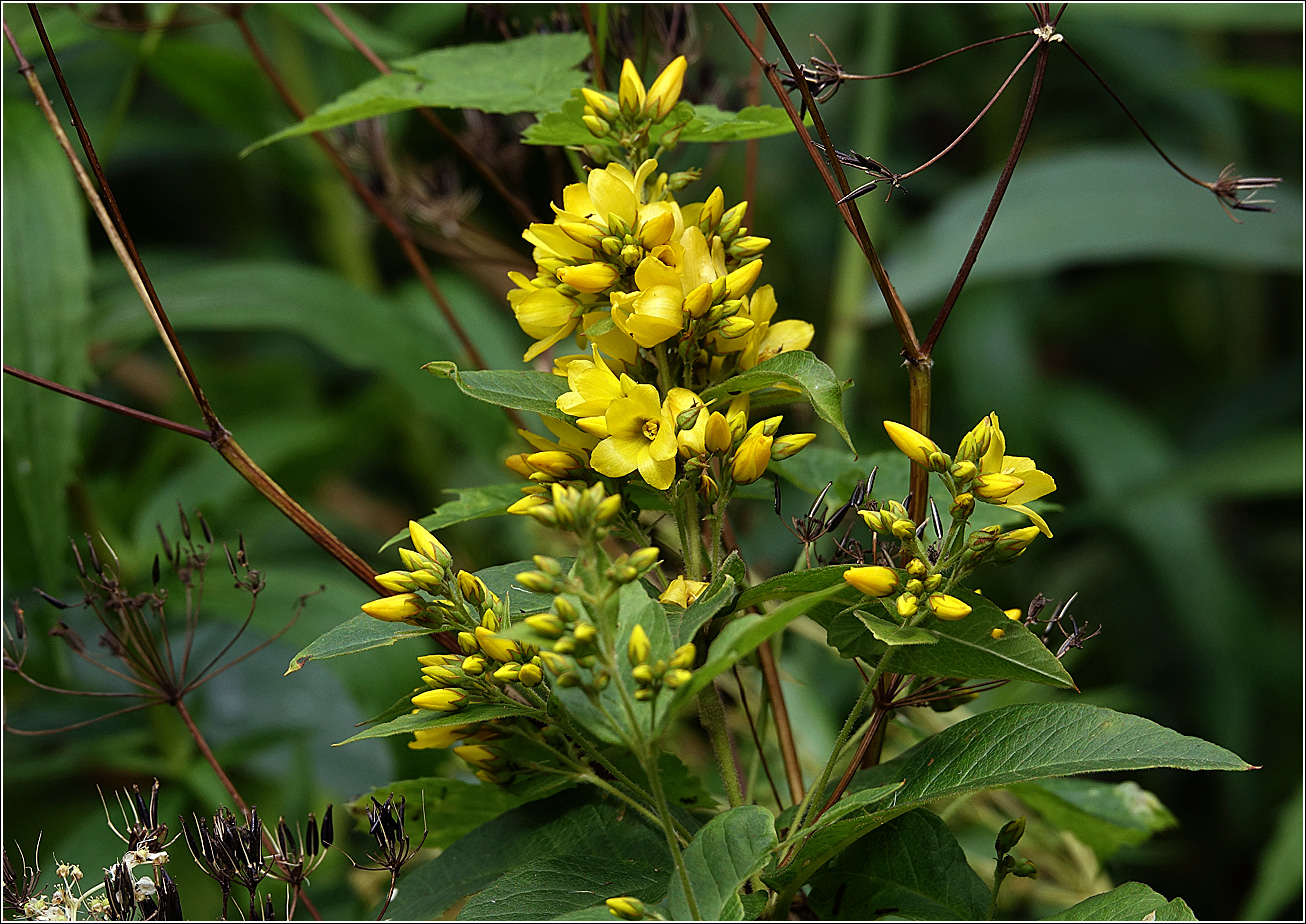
108,405
783,726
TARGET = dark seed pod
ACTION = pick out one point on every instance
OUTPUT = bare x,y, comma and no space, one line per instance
185,523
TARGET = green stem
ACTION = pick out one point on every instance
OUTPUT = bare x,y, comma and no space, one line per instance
664,812
713,717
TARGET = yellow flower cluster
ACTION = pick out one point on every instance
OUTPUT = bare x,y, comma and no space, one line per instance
663,297
980,471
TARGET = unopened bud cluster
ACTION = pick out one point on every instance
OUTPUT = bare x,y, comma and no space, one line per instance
651,676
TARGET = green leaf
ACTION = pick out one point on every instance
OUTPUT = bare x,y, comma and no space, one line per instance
711,124
794,584
1013,744
525,391
502,580
574,823
1104,816
635,607
702,123
719,596
737,640
489,500
427,718
849,804
46,306
362,633
796,369
965,647
1279,872
446,809
1132,901
894,635
530,74
723,854
552,886
911,864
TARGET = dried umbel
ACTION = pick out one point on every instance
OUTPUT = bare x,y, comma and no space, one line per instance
230,852
139,630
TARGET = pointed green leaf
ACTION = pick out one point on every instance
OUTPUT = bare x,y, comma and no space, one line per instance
1104,816
723,854
525,391
796,370
702,123
552,886
737,640
489,500
362,633
892,634
530,74
1010,745
427,718
911,864
796,583
1132,901
573,823
47,274
966,647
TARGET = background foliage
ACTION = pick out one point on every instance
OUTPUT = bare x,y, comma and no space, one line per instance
1139,344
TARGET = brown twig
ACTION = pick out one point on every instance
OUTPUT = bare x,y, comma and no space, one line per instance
783,726
852,218
478,164
752,146
757,738
1026,120
108,405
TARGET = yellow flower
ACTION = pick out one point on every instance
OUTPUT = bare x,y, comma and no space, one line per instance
665,92
1034,484
630,92
873,580
641,435
547,315
682,592
590,278
593,388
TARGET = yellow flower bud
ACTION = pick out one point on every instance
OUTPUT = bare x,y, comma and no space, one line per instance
608,509
997,633
447,700
676,678
530,675
630,92
398,581
996,486
556,663
438,737
907,605
638,649
645,558
665,92
742,279
963,470
508,673
435,660
732,328
751,459
642,674
698,300
584,633
717,435
478,755
474,665
913,445
399,608
683,657
428,545
597,127
546,624
439,675
750,246
602,105
590,278
873,580
947,607
536,582
790,444
499,649
710,216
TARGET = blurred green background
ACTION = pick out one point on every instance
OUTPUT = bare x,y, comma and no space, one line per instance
1145,349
